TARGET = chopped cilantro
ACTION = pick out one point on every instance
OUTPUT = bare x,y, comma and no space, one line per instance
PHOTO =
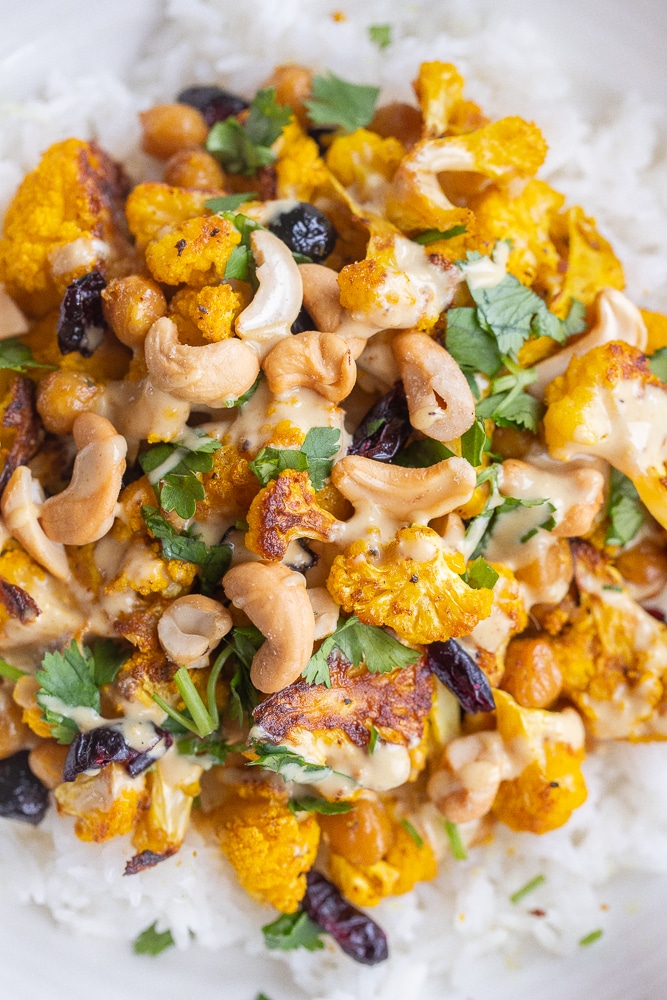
509,404
658,363
359,643
591,938
243,399
473,349
172,469
479,574
212,560
241,263
433,235
229,202
380,35
293,930
243,149
10,672
245,641
624,510
416,836
422,454
315,804
373,741
208,746
152,942
314,457
290,765
16,356
337,102
473,443
525,890
202,718
456,845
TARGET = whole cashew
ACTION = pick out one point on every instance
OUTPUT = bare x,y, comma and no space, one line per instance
576,490
274,598
277,301
12,321
472,768
84,511
617,319
321,296
440,402
312,360
213,374
191,627
21,507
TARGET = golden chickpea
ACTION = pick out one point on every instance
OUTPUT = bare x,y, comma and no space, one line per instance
645,565
510,442
47,761
293,85
131,305
170,127
362,836
194,168
551,572
62,396
532,675
403,121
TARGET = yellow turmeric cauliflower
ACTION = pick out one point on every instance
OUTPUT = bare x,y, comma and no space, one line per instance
162,826
269,848
286,509
105,805
206,314
194,253
413,584
588,263
365,163
153,207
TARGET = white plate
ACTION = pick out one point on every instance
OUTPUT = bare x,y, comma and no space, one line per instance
607,45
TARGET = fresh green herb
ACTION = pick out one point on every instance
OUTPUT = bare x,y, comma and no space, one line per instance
359,643
287,763
373,741
624,510
16,356
293,930
418,839
473,348
314,457
74,678
245,641
456,844
422,454
337,102
529,887
548,525
10,672
262,996
509,404
433,235
209,746
243,399
241,263
229,202
613,586
243,149
591,938
203,718
658,363
380,35
473,443
315,804
479,574
152,942
212,560
173,468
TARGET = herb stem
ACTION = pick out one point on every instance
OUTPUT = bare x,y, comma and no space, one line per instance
200,715
455,841
212,681
529,887
591,938
10,672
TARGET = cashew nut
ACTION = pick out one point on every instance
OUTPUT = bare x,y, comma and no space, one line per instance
617,319
574,489
21,507
466,785
84,512
440,402
274,598
191,627
404,495
326,611
312,360
277,302
213,374
321,296
12,321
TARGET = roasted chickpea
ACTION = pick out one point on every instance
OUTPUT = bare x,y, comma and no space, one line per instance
46,761
362,836
645,566
194,168
170,127
403,121
62,396
532,675
131,305
293,86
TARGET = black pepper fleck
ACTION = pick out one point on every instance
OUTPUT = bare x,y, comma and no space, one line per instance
414,578
180,246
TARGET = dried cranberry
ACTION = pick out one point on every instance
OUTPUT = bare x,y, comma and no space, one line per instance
303,322
215,104
305,230
385,428
22,795
656,613
106,745
458,671
81,324
358,935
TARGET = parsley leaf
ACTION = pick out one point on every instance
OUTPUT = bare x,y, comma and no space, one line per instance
213,560
624,510
359,643
380,35
658,363
229,202
290,765
152,942
314,456
315,804
432,235
337,102
293,930
243,149
17,356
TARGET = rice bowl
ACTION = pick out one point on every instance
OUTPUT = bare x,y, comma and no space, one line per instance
474,912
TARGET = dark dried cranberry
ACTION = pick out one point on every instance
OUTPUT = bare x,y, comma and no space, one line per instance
358,935
22,795
81,324
656,613
305,230
303,322
458,671
106,745
147,859
322,136
385,428
215,104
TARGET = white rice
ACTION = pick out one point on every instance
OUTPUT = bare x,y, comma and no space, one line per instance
617,169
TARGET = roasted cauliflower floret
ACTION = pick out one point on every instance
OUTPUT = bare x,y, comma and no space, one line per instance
195,252
105,805
162,826
267,845
439,90
63,220
230,486
153,207
286,509
588,263
207,313
413,584
364,163
609,404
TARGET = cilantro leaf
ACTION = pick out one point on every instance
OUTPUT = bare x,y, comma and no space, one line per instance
293,930
208,746
337,102
359,643
108,658
473,442
479,575
172,469
315,804
17,356
624,510
212,560
380,35
152,942
472,347
243,149
243,399
244,696
422,454
432,235
290,765
575,321
314,456
270,462
229,202
658,363
512,312
509,405
373,742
